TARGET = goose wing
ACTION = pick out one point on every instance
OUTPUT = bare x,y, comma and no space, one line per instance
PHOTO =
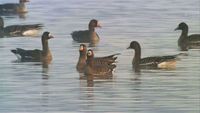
28,55
82,36
101,70
194,39
18,30
106,60
9,7
155,60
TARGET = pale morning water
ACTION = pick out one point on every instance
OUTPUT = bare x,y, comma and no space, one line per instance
28,87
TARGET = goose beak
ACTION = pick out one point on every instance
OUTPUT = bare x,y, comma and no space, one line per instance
128,47
51,36
81,48
99,25
176,29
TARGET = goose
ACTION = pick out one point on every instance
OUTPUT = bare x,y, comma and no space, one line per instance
36,55
80,66
87,36
97,70
153,62
14,7
186,42
19,30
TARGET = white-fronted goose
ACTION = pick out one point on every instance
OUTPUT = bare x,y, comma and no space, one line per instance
151,62
98,70
19,30
186,42
97,60
36,55
14,7
87,36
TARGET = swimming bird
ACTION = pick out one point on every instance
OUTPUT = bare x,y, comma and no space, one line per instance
97,70
14,7
153,62
108,60
19,30
36,55
186,42
87,36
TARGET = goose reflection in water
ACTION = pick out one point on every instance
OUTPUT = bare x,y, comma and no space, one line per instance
45,70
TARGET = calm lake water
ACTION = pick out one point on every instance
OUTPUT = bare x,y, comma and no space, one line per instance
28,87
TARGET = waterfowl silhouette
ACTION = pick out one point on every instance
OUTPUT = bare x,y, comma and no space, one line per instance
97,70
87,36
186,42
154,62
13,7
97,60
36,55
19,30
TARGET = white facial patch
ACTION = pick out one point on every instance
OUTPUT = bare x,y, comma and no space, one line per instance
89,53
49,35
81,48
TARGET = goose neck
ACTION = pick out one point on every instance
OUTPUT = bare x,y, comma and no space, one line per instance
137,58
45,46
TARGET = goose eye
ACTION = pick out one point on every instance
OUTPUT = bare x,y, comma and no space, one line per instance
89,53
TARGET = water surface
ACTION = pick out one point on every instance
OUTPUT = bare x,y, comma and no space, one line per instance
28,87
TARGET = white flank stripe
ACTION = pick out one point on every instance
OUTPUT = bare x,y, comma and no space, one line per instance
31,33
167,64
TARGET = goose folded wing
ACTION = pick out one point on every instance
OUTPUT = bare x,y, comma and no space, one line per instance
103,61
110,56
103,69
16,30
195,38
9,7
154,61
29,54
32,26
107,59
13,30
80,35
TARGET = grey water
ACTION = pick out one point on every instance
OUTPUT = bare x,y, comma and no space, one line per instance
29,87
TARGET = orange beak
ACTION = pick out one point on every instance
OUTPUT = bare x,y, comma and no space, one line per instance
81,48
99,25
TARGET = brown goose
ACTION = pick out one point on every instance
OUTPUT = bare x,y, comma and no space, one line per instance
98,70
13,7
82,58
186,42
19,30
36,55
154,62
97,60
87,36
